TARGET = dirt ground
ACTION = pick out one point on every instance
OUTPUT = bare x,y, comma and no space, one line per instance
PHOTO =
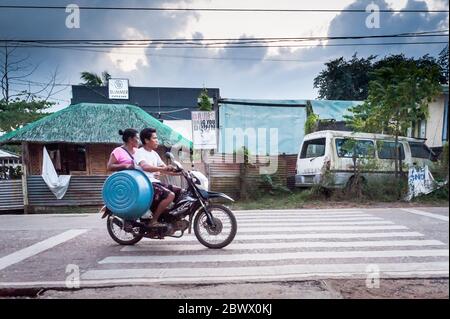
436,288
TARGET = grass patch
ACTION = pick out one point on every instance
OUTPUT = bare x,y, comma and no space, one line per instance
382,195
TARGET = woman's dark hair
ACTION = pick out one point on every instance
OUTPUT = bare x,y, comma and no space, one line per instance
127,134
146,133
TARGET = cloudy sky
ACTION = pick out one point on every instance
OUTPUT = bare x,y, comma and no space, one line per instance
259,73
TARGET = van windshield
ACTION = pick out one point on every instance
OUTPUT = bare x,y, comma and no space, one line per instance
313,148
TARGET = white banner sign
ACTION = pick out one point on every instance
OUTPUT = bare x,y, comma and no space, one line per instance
118,89
204,130
420,182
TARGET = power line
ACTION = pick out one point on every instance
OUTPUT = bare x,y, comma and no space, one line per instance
433,33
235,46
252,10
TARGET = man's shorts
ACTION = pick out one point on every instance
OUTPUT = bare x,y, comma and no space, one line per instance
161,191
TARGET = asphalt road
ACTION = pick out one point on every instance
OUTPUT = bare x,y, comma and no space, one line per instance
335,253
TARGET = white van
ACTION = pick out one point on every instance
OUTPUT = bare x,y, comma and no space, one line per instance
322,153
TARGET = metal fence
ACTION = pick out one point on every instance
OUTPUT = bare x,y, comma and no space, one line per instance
11,195
82,191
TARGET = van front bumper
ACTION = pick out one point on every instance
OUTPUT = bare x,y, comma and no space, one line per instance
305,180
334,180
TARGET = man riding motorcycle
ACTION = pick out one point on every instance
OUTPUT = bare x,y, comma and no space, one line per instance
150,162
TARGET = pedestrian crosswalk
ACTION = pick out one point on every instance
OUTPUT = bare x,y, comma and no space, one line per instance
283,246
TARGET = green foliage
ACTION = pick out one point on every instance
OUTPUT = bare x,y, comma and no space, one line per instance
344,80
440,169
93,79
205,103
311,119
16,149
349,80
9,172
272,186
19,112
399,94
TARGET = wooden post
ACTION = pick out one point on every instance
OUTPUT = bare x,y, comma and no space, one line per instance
25,167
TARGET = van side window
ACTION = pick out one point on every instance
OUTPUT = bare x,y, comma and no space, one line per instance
387,150
361,148
313,148
420,150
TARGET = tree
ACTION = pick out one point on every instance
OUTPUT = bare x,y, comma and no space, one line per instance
204,103
345,80
93,79
349,80
399,94
18,112
19,107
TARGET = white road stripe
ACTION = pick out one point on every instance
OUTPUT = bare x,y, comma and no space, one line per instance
37,248
427,214
312,219
419,273
278,272
317,228
275,215
240,236
258,256
301,211
324,223
284,245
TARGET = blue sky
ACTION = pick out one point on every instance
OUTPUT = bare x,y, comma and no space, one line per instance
239,73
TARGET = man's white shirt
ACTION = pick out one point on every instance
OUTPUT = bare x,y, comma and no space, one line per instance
151,158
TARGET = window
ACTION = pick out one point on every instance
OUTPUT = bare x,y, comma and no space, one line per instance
420,150
313,148
423,129
361,148
67,157
387,150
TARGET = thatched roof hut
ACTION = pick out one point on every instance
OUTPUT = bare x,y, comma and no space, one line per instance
89,123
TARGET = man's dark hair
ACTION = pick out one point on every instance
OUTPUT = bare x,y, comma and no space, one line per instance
127,134
146,133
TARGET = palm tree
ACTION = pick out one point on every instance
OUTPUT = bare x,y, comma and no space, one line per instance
93,79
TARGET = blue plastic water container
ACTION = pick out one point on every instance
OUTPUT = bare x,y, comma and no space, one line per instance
128,194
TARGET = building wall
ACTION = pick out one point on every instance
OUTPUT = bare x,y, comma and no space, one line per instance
435,122
97,156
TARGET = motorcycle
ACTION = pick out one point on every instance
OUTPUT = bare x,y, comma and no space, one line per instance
214,224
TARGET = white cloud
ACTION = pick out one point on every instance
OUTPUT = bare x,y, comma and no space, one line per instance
129,62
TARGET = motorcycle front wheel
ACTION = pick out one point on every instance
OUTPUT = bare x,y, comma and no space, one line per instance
224,231
118,234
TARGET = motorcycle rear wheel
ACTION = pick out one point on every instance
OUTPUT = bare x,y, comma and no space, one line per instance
119,235
223,234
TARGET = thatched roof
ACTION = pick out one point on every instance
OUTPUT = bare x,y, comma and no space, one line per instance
87,123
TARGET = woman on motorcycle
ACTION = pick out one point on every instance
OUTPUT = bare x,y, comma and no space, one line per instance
150,162
122,157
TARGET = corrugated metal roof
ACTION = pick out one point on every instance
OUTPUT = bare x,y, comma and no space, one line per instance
6,154
88,123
